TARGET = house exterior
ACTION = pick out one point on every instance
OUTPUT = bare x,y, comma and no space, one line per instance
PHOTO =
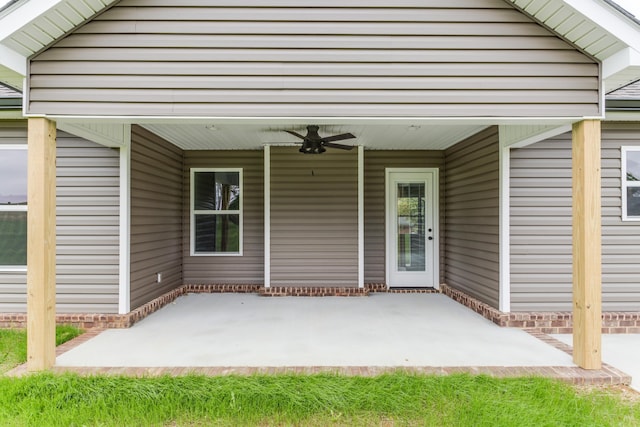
174,168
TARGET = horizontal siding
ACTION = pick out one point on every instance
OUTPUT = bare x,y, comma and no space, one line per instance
156,216
365,58
472,216
314,218
87,227
245,269
541,218
375,163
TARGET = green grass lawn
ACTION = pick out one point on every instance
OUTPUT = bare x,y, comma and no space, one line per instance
13,344
316,400
391,399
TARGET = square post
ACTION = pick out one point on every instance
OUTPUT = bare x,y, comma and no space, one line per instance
41,244
587,236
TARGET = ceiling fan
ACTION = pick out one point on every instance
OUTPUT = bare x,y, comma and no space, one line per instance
313,143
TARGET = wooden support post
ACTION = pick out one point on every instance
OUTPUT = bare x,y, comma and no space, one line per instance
587,236
41,245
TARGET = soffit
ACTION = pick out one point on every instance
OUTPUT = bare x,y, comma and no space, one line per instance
573,26
598,27
46,21
253,136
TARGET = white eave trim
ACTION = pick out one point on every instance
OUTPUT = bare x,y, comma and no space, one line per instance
321,120
625,58
13,60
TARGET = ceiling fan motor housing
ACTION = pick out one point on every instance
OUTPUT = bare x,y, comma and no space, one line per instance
313,143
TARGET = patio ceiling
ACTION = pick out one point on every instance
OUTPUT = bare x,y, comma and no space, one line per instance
206,136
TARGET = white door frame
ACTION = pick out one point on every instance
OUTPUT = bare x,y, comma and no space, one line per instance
390,231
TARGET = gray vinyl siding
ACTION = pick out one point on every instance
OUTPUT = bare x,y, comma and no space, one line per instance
156,216
87,228
245,269
472,216
329,58
541,216
314,218
375,163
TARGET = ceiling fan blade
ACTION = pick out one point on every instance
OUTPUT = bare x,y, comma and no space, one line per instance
340,146
338,137
295,134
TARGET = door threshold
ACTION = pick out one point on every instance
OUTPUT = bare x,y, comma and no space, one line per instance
412,290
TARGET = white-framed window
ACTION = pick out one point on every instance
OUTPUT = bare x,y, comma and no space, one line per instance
631,183
216,211
13,207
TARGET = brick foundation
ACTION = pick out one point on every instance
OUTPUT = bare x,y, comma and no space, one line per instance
560,322
542,322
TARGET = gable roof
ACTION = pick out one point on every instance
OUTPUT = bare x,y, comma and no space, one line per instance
625,99
10,99
631,91
599,27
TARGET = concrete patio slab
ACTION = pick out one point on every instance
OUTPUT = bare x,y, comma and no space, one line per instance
246,330
619,350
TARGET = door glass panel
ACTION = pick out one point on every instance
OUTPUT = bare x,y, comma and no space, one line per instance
411,220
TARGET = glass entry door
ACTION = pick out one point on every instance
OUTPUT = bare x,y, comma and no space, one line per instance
411,230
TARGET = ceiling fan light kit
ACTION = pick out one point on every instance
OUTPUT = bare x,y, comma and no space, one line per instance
313,143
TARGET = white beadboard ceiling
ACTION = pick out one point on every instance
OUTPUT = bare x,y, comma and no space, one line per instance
371,136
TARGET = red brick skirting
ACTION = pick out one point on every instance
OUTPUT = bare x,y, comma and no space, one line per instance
544,322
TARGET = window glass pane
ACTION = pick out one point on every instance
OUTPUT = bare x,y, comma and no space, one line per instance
217,191
13,177
217,233
633,201
633,166
411,219
13,238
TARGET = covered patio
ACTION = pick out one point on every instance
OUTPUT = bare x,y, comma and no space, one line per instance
448,110
247,330
231,333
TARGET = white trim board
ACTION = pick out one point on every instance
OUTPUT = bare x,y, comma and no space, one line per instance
124,288
267,216
504,303
360,216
